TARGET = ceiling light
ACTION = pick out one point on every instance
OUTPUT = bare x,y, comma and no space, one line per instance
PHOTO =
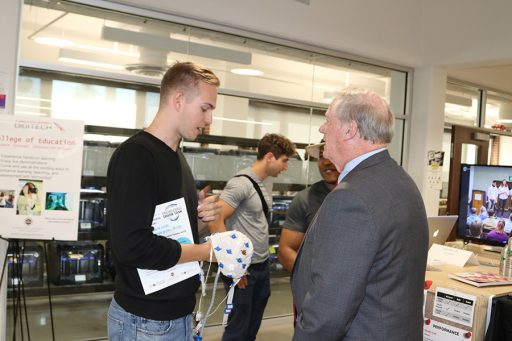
115,50
168,44
242,121
247,72
92,59
58,42
503,120
90,63
52,41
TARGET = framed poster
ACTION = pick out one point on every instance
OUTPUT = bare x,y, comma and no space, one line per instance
40,172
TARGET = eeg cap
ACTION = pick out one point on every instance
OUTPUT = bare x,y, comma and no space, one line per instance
233,251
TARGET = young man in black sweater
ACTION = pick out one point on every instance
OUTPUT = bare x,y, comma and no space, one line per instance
146,170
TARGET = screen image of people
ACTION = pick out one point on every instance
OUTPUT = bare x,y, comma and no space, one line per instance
29,201
485,203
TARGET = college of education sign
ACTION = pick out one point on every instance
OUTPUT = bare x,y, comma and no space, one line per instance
40,172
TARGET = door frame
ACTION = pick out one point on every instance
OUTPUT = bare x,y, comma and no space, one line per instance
464,135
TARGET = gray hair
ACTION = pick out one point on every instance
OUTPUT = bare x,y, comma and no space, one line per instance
369,111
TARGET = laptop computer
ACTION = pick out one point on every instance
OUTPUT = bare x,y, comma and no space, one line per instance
439,228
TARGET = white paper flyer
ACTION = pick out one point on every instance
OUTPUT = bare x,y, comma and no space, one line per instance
170,220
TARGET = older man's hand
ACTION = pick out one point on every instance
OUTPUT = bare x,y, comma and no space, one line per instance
209,208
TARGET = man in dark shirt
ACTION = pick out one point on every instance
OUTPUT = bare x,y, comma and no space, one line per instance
304,206
146,170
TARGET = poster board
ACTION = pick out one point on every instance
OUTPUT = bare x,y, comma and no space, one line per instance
40,172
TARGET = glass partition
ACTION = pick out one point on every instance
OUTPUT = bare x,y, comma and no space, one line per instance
498,111
461,106
76,39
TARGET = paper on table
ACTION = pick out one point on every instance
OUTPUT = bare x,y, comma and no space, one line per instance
440,254
170,220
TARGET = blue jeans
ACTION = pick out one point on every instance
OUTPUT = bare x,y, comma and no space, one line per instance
123,326
248,304
490,205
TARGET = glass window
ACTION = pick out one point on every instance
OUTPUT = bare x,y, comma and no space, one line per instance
498,111
151,101
461,105
119,45
94,104
29,99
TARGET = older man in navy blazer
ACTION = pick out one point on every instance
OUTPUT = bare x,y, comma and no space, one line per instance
360,271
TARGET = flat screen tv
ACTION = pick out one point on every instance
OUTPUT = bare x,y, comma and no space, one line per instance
485,204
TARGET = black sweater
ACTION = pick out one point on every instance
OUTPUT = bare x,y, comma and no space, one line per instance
144,172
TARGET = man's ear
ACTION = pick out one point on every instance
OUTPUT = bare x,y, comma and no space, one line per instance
177,100
269,156
350,129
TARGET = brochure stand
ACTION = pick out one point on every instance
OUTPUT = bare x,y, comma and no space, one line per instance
13,267
3,285
41,164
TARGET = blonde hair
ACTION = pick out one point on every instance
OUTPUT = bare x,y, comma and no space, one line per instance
185,77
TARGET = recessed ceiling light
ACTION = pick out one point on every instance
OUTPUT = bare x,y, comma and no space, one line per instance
242,121
247,72
91,63
53,41
91,59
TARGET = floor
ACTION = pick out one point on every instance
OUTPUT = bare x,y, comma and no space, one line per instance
82,317
272,329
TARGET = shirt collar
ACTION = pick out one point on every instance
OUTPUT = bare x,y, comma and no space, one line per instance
355,161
